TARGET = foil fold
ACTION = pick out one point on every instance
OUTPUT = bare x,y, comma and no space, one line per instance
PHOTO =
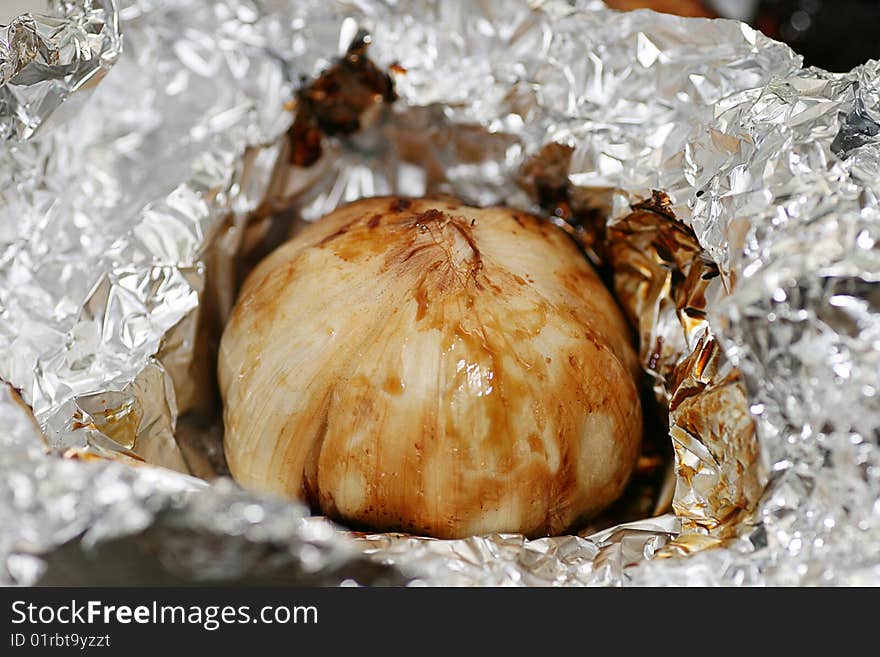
750,276
667,283
46,58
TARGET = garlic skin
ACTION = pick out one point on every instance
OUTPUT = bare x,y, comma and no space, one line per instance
424,366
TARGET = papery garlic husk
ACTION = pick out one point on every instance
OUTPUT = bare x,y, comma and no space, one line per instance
424,366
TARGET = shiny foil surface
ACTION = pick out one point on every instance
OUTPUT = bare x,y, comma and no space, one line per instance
729,194
45,58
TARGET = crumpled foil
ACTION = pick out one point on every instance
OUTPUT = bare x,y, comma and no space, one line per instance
44,59
750,275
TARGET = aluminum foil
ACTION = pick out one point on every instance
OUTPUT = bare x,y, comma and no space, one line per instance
114,523
44,59
125,226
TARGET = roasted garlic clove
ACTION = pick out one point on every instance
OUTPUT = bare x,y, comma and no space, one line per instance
424,366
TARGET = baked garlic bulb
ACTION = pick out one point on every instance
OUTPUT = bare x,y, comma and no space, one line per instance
423,366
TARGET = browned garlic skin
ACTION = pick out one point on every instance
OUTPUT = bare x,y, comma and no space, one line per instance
424,366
